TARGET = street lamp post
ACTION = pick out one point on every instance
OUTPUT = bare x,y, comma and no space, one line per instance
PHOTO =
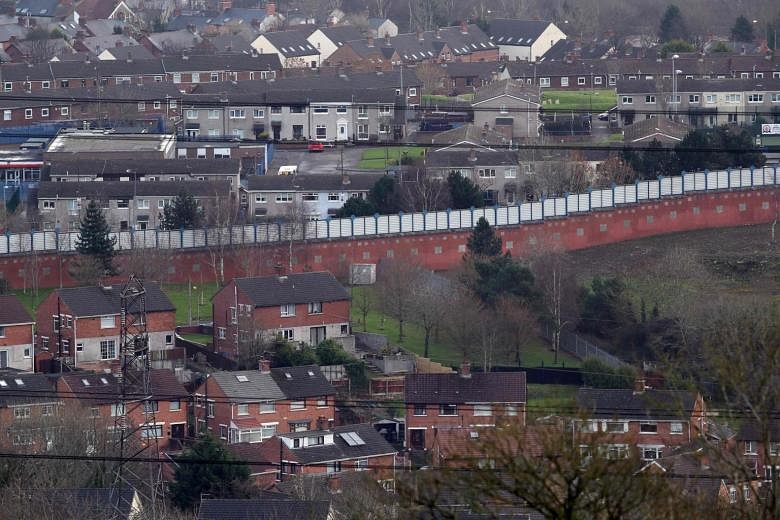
674,85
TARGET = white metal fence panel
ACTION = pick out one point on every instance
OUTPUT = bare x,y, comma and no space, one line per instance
432,220
359,227
620,194
699,182
441,220
393,223
334,228
406,223
643,190
665,186
383,224
654,189
122,240
677,185
606,199
722,179
345,227
322,228
526,214
712,180
560,206
536,211
548,207
513,214
584,202
573,203
502,218
746,175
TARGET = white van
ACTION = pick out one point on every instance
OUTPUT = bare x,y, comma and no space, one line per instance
288,170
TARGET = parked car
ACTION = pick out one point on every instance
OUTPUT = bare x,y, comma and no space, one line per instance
316,146
604,116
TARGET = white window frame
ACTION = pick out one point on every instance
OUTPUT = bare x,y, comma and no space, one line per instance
544,82
287,310
104,323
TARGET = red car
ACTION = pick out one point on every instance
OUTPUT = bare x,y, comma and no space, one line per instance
315,146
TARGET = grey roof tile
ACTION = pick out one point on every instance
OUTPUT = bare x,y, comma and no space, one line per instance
107,190
628,404
324,182
268,291
12,311
262,509
108,168
497,387
257,387
99,301
374,445
302,381
505,31
34,388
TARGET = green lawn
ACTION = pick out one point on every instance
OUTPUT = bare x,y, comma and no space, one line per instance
374,158
30,300
536,353
179,295
436,98
550,399
593,100
204,339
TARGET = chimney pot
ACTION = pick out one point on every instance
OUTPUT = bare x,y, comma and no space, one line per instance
370,41
639,385
464,27
465,369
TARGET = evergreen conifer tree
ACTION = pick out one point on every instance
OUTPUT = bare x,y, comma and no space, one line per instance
483,241
94,238
183,212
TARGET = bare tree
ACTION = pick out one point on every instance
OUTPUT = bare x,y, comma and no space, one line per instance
431,75
395,284
517,326
430,304
221,216
382,9
421,191
295,223
363,303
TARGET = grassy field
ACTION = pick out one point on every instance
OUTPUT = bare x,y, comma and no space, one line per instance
436,98
31,300
593,100
203,339
535,354
201,301
550,399
374,158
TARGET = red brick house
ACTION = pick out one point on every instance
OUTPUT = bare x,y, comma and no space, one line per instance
16,334
355,447
251,406
650,421
27,402
82,323
301,307
462,401
98,395
760,448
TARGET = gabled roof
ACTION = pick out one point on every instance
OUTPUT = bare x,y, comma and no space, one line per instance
340,34
661,128
505,87
295,288
98,388
698,85
753,431
262,509
480,387
465,159
38,8
101,301
628,404
318,182
107,503
174,41
107,190
587,50
12,312
97,9
129,52
469,135
33,388
374,444
291,43
505,31
302,381
247,386
230,43
465,69
428,45
235,61
239,15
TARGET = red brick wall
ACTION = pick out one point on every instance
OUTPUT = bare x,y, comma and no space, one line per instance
17,335
691,212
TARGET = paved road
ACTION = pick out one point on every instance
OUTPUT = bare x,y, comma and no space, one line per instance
328,161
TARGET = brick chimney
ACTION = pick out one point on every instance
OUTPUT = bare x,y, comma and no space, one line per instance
387,39
438,33
334,484
464,27
420,35
370,41
270,8
264,366
465,369
322,422
639,385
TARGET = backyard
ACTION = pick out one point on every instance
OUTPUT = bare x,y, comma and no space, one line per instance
382,158
588,101
535,354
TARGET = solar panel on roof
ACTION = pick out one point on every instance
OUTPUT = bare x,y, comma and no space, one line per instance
3,383
19,382
85,382
352,439
242,379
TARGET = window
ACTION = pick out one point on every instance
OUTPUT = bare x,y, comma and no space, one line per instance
733,119
267,407
361,465
284,197
733,98
487,173
258,113
510,410
297,405
260,199
617,427
22,438
420,410
237,113
617,451
448,409
8,86
384,128
674,100
152,432
755,98
174,406
243,409
319,109
774,449
503,109
362,112
648,427
221,332
44,112
712,98
107,322
117,409
287,310
315,308
580,80
510,173
142,203
22,412
333,467
676,428
28,113
775,98
385,110
288,334
157,105
483,410
297,131
47,410
597,80
693,98
750,448
589,427
151,406
268,430
746,492
322,402
650,452
544,82
650,99
732,495
612,79
192,114
7,115
107,349
362,132
628,100
210,408
141,106
412,92
565,81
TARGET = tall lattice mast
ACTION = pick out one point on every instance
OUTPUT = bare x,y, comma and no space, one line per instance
135,426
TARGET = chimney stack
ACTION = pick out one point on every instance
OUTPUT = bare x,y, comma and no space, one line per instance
438,33
270,9
420,35
322,423
464,27
334,484
639,385
387,39
465,369
370,41
264,366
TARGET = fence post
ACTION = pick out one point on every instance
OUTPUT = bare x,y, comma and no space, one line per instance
495,214
682,182
566,203
728,176
519,206
425,218
56,239
352,223
267,233
401,222
327,223
206,237
448,218
255,228
376,223
181,237
752,168
279,230
590,199
706,179
532,217
157,238
472,216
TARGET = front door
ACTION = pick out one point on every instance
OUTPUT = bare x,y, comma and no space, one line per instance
342,132
417,439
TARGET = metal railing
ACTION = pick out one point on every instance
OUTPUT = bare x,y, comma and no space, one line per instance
581,348
377,225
